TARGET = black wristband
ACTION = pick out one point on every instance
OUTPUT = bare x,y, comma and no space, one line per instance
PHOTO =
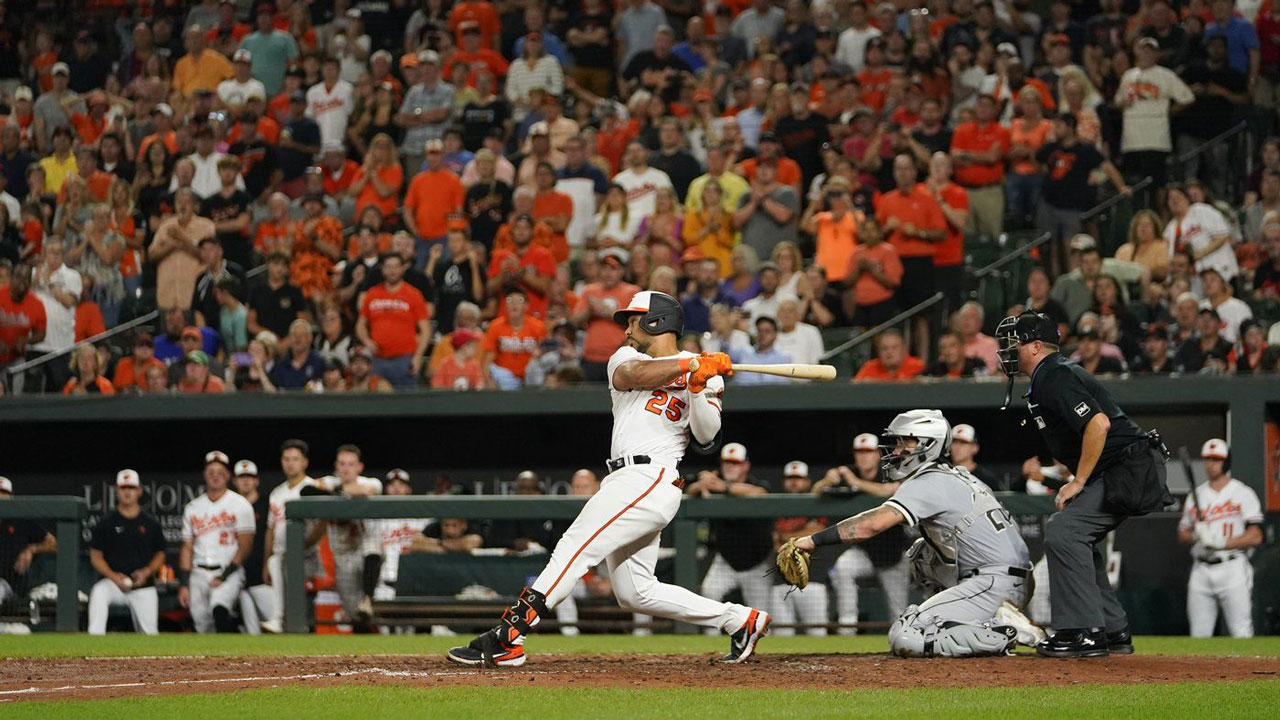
827,536
184,577
228,571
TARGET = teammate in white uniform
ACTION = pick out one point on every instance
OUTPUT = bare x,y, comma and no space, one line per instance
397,535
217,535
356,544
1221,525
293,461
658,405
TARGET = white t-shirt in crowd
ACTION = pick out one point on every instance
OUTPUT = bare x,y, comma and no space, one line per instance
1146,121
642,190
803,344
1198,229
60,320
851,47
1232,312
331,108
233,92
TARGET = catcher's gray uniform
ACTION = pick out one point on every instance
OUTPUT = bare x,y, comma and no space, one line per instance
350,542
971,531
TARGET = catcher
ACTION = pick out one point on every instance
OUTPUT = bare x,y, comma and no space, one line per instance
971,554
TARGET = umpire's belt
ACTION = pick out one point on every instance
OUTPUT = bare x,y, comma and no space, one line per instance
618,463
214,568
998,570
1220,560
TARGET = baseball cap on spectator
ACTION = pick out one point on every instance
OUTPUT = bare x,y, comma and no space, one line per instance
539,129
1087,328
312,197
198,357
1007,48
617,255
963,433
332,146
60,68
877,42
733,452
1150,42
246,467
359,352
799,87
144,339
408,60
795,468
769,136
22,93
866,441
242,55
397,475
693,254
217,456
191,331
254,93
1158,330
334,363
434,145
384,56
1082,242
1211,313
298,96
6,485
128,478
467,26
354,13
461,336
1215,449
163,109
267,8
429,56
1059,39
768,265
702,95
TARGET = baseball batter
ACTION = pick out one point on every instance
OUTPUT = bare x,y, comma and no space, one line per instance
1221,524
970,534
356,544
293,461
217,535
658,407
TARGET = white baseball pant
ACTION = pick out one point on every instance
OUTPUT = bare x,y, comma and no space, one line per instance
621,525
257,603
810,606
143,606
1228,584
855,564
205,598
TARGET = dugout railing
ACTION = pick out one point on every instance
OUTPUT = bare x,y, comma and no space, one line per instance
66,514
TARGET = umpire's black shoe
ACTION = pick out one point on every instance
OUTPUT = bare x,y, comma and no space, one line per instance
1120,642
1076,643
488,649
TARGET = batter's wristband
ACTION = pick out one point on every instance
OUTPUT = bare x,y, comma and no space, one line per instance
228,571
684,364
184,577
827,536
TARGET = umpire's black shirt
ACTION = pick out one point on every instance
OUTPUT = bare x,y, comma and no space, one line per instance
1063,398
128,544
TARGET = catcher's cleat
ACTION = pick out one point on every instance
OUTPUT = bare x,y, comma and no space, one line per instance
488,649
742,644
1076,643
1029,634
1120,642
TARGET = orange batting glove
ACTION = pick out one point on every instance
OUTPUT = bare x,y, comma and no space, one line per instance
721,362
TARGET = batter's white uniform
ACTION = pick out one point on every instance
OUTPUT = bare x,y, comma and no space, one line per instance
276,501
350,541
1221,577
622,524
213,527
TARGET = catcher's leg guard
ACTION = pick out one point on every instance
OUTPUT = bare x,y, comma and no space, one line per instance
917,635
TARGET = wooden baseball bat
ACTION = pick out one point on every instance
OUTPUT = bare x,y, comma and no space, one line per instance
790,370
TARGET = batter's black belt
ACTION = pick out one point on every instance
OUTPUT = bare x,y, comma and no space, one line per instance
211,567
616,464
1010,570
1220,560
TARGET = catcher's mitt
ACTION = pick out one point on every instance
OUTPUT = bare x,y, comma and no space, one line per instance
793,564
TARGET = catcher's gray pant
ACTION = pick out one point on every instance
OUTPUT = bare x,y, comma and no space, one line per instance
257,603
957,621
205,598
1074,539
854,564
810,606
143,606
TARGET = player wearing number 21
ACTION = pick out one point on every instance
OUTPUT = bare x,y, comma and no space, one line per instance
662,402
217,535
1221,524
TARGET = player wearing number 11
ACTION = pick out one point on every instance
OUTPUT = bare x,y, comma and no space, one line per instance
659,408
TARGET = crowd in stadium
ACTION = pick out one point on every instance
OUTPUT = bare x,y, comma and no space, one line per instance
348,196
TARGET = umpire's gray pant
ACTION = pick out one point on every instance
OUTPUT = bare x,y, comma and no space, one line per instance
1081,596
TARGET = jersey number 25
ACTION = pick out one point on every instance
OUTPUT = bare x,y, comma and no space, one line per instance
674,406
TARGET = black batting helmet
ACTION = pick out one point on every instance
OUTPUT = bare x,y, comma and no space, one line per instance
660,313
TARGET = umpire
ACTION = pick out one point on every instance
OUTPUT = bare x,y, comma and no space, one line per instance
1119,472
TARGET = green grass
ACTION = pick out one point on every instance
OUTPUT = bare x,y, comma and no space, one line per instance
1189,700
77,645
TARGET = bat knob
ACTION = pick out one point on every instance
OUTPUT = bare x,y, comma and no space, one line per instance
694,365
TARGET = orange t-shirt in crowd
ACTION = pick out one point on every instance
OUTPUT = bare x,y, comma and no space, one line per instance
334,184
611,145
875,370
874,84
212,385
537,257
510,347
43,64
1033,138
271,236
866,290
433,196
481,13
916,207
836,241
89,320
604,336
88,130
104,386
393,318
452,376
788,171
128,376
353,245
554,203
17,319
974,138
170,140
130,259
268,130
391,175
950,252
98,184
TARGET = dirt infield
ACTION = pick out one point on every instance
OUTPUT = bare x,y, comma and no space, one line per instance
102,678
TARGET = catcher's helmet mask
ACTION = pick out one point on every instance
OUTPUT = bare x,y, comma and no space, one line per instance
933,435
